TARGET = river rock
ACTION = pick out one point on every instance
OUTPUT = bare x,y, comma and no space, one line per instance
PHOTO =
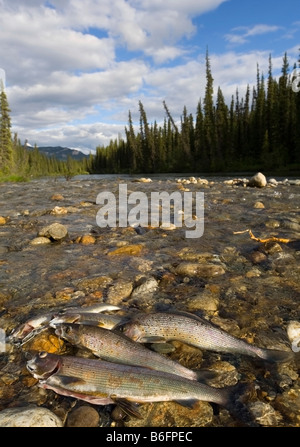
87,239
57,210
147,286
55,231
84,416
41,240
265,414
57,197
259,205
200,270
258,180
2,220
127,250
171,414
31,416
119,291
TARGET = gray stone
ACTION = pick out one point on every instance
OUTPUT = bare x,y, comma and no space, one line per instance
258,180
54,231
31,416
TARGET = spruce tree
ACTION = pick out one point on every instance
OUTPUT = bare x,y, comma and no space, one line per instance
6,144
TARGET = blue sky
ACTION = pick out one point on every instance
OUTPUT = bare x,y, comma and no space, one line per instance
74,68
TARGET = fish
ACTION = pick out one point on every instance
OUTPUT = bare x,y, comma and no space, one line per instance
92,319
26,331
116,347
94,308
101,383
29,329
195,331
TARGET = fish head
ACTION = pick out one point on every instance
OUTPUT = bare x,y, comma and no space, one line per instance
64,318
133,330
20,332
43,364
69,331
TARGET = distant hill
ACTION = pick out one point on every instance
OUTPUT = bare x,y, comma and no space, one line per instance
59,152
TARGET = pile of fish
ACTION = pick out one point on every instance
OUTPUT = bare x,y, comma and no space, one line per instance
129,372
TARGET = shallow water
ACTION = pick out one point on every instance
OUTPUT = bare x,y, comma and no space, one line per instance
254,298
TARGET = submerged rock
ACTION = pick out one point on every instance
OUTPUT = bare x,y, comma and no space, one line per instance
55,231
84,416
200,270
31,416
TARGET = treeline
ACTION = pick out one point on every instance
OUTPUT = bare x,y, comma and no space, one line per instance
19,163
258,131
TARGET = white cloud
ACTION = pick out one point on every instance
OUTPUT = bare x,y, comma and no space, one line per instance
245,32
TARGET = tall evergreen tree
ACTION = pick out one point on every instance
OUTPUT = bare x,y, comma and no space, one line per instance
6,144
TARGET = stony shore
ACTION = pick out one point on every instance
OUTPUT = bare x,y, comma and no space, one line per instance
242,274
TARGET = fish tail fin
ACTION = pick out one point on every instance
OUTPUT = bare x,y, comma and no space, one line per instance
275,356
234,403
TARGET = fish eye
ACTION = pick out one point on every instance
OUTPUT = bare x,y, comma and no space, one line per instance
68,330
43,354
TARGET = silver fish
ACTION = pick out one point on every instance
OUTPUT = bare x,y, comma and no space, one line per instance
116,347
102,383
195,331
106,321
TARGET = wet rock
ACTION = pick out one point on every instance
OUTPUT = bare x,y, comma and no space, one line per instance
31,416
288,404
127,250
273,182
258,180
119,291
46,342
265,414
203,301
272,223
149,285
257,257
272,247
200,270
142,180
87,239
259,205
58,210
40,241
93,284
293,332
55,231
57,197
84,416
172,414
3,220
